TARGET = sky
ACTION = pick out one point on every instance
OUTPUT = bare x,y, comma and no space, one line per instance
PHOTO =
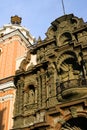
37,15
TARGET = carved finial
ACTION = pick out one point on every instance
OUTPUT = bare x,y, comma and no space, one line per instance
39,40
16,20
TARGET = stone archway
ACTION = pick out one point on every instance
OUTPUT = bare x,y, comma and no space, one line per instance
79,123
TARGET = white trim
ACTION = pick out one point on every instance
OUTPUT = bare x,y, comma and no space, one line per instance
6,85
6,97
15,32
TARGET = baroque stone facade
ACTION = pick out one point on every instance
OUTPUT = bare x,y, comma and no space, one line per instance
52,95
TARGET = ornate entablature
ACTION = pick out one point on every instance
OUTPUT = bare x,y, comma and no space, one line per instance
51,93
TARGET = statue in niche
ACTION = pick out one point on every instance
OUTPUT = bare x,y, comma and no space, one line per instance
31,96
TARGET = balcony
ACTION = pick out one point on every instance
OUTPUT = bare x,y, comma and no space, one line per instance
72,89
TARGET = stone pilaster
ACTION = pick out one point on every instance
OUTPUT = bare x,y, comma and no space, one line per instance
43,76
39,84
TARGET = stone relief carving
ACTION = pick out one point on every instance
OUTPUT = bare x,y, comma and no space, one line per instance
64,33
63,25
66,70
61,67
29,120
49,50
69,71
73,111
65,38
70,24
40,55
82,37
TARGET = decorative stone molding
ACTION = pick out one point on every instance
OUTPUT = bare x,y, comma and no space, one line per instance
57,83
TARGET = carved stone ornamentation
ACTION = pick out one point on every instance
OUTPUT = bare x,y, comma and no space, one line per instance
29,120
73,111
19,97
57,84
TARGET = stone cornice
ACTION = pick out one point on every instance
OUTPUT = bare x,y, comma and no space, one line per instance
56,109
73,102
84,27
42,44
7,79
36,67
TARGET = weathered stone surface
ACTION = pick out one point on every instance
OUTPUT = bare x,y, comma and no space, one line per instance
53,93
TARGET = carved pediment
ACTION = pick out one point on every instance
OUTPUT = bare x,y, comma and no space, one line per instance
63,28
